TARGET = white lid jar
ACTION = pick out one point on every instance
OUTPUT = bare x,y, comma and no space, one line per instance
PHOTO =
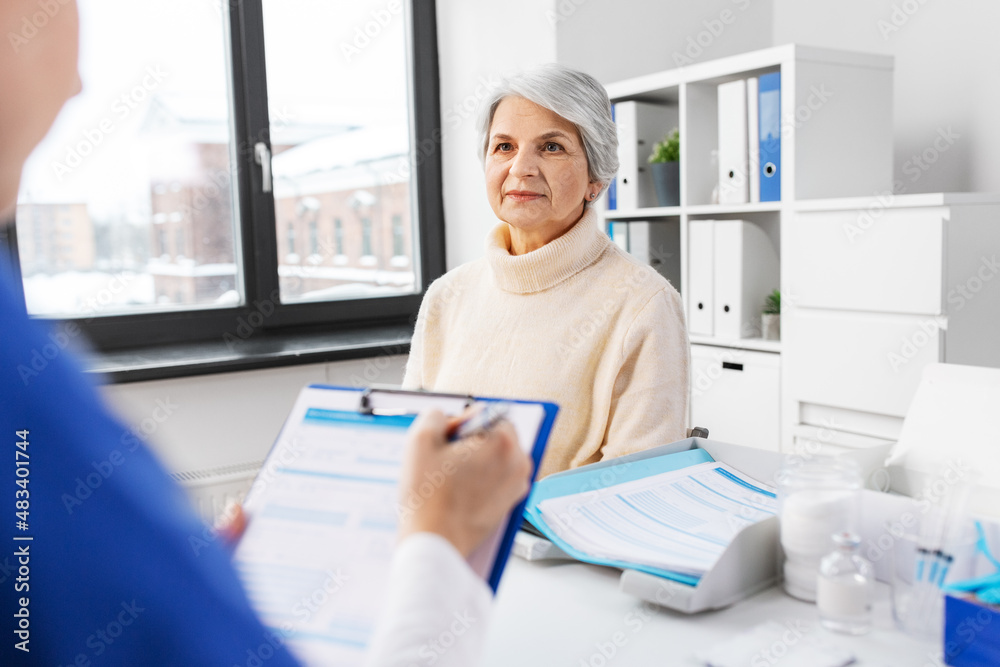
817,497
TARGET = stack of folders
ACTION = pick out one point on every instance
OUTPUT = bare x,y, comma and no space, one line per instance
673,516
750,140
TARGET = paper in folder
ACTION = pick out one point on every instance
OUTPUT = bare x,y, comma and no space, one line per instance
323,515
671,516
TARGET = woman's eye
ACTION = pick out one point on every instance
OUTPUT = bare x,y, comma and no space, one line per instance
503,146
552,147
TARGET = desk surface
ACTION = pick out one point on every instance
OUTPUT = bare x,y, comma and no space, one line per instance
559,613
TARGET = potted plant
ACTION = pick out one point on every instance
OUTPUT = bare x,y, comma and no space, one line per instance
665,162
770,319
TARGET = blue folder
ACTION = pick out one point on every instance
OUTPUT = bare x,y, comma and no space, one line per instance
598,476
770,136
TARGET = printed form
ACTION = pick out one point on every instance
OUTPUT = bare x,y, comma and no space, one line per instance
323,515
679,521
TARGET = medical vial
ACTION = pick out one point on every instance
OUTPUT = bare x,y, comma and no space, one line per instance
844,588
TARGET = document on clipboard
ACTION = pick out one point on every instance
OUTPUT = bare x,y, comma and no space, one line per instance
323,514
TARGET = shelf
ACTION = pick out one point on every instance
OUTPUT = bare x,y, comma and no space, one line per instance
713,209
887,201
717,71
642,213
756,344
705,209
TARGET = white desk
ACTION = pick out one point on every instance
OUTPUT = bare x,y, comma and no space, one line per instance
560,614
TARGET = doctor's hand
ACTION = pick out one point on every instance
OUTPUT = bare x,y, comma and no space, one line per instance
460,490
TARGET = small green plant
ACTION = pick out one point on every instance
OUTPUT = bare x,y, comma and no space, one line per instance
668,150
772,303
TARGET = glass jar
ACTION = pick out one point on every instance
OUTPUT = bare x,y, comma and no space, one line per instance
844,588
818,497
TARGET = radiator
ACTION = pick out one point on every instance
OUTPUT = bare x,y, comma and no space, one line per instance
212,489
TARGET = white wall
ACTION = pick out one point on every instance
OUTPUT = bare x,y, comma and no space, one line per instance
947,69
620,39
478,41
229,418
947,63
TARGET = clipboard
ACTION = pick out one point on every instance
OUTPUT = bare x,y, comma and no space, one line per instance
324,507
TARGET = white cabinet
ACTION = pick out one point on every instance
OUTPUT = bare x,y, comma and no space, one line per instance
836,140
734,394
874,286
892,265
875,289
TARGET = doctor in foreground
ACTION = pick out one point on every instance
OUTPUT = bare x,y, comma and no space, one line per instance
113,579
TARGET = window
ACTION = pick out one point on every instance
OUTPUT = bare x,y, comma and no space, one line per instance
397,236
313,238
338,236
150,184
366,237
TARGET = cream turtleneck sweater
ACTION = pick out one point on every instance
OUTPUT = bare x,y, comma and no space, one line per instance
577,322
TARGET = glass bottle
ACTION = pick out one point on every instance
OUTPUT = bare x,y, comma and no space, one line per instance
844,587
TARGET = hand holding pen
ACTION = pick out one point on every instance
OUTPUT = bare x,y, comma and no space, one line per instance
481,421
460,487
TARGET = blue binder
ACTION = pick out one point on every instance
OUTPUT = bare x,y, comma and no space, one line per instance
770,137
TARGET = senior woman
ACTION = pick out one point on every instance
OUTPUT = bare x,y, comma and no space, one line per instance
555,310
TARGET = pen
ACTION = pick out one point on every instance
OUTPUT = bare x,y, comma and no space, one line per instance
481,421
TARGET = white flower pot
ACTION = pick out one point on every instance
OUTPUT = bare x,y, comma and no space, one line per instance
770,326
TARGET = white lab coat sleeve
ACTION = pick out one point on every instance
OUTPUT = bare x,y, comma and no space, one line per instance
437,611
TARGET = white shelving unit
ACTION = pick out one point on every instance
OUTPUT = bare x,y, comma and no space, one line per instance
836,111
878,288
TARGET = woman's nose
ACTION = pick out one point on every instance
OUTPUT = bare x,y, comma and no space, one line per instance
525,163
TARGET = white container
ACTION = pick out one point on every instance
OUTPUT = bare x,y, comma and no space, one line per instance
817,498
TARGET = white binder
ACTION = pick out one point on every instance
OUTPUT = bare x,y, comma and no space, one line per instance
658,245
640,125
701,277
753,138
746,271
733,156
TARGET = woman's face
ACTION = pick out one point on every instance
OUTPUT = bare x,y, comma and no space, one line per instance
536,173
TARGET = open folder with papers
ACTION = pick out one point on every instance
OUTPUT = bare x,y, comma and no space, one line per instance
323,513
671,515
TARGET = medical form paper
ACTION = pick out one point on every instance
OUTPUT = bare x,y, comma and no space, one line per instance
322,516
678,521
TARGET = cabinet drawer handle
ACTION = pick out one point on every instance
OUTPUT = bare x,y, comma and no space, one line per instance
731,366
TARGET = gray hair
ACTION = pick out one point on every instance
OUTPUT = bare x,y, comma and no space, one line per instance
577,97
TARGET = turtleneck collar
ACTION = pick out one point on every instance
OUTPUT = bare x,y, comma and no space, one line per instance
549,265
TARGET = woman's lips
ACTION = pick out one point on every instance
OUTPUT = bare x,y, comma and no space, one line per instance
523,195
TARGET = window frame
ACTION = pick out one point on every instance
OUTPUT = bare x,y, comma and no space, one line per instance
256,230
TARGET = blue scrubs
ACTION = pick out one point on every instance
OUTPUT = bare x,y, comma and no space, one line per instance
117,570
